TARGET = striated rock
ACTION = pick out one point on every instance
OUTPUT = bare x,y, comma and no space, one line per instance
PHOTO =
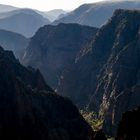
105,76
76,82
29,109
54,48
119,79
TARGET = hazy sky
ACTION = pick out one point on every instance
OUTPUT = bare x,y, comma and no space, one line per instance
46,5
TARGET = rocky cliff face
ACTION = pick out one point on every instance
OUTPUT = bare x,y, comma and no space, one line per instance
105,76
54,48
129,126
29,109
119,79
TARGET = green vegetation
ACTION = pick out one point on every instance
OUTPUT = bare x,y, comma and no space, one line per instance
92,119
110,139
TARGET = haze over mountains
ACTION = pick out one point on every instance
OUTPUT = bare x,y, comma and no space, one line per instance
23,21
26,21
97,14
14,42
55,14
98,69
7,8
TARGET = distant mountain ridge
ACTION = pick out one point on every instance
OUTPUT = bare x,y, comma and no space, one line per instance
50,15
97,14
7,8
22,21
55,14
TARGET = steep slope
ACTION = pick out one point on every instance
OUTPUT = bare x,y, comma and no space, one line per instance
53,48
105,76
129,127
22,21
14,42
30,110
97,14
119,79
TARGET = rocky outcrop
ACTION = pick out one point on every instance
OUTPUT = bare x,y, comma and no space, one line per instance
105,76
29,109
129,127
54,48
